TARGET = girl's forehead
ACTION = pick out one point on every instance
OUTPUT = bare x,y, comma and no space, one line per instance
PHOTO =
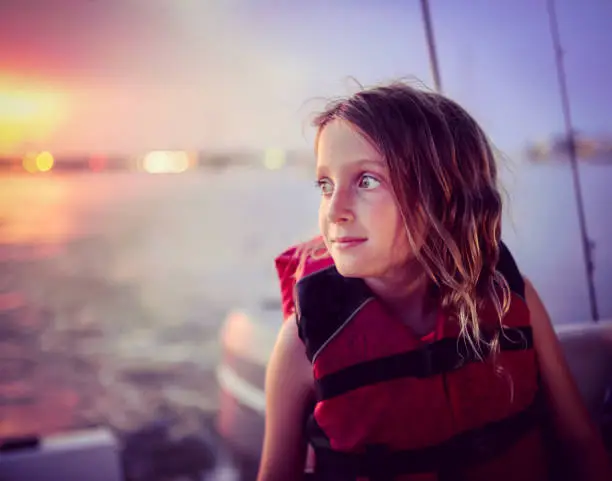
340,143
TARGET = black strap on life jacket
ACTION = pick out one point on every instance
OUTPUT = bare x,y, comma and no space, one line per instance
432,359
449,459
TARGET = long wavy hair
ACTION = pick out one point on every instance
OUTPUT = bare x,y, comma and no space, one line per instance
444,177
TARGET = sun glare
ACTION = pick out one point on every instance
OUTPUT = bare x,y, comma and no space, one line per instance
28,115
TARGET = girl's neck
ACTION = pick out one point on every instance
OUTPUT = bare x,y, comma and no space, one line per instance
408,297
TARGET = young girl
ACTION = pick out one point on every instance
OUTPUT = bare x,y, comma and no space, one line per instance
412,348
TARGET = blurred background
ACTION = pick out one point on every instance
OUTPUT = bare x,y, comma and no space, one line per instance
155,156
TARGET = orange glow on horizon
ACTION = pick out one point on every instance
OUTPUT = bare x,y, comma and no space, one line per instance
29,163
38,162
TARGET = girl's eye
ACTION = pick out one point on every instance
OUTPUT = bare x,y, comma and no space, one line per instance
325,186
368,182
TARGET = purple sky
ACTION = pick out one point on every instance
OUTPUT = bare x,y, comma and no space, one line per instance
143,74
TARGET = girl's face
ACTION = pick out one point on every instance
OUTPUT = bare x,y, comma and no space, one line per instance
359,217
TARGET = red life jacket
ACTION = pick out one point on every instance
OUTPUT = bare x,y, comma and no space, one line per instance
390,406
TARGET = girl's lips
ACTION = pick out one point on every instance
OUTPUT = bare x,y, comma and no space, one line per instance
346,242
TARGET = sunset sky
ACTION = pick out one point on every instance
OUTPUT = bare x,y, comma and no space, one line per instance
128,75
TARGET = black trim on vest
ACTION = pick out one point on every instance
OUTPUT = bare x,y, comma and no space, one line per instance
508,268
432,359
326,300
467,448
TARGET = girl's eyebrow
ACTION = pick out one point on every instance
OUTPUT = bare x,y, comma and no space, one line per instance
361,163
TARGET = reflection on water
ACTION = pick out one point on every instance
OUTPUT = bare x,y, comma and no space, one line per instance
54,209
112,287
38,211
